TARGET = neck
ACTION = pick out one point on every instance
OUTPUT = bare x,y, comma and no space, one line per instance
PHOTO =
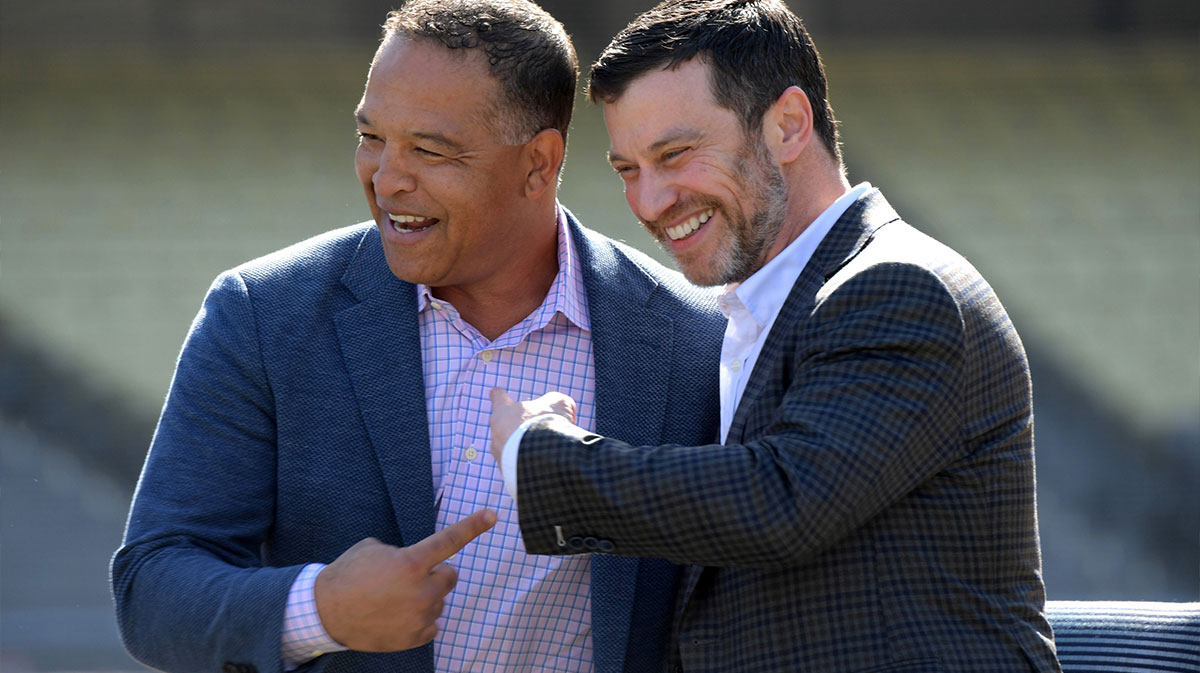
493,307
810,192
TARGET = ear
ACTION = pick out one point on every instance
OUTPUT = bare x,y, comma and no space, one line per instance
544,156
788,125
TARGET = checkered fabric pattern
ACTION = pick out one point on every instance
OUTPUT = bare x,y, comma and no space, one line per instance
509,610
303,636
297,425
873,507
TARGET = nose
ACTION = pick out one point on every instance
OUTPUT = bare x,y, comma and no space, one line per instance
393,174
651,195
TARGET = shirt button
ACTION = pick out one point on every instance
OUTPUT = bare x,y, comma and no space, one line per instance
436,305
470,453
487,356
735,365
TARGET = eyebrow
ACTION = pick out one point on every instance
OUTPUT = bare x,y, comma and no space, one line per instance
671,136
361,118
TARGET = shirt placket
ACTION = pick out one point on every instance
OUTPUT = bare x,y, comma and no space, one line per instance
465,487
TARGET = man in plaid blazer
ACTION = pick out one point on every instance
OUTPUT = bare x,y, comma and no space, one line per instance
871,506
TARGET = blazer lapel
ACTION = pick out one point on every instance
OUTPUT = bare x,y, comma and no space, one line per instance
631,344
381,347
631,348
849,235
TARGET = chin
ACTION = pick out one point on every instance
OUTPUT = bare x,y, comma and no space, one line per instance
701,274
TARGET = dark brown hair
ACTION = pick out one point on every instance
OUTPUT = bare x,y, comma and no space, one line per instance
755,49
528,52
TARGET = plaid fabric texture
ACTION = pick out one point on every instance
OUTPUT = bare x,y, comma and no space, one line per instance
873,508
509,609
297,424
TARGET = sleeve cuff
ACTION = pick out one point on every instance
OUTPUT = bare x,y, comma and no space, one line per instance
508,455
304,638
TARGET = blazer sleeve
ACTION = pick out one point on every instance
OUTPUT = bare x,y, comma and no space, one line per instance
866,413
190,588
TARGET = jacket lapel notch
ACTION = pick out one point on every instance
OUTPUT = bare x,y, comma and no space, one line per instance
381,348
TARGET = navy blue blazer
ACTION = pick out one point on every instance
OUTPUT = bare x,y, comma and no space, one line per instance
295,426
873,507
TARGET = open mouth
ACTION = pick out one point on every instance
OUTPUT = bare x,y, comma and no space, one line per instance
682,231
407,224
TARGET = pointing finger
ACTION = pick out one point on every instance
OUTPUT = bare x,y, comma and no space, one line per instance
448,541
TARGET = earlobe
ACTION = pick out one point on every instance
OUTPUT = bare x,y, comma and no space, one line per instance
790,124
545,154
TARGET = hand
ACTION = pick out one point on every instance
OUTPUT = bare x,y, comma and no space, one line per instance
380,598
508,414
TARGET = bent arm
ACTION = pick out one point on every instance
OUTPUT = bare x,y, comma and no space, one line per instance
867,413
191,590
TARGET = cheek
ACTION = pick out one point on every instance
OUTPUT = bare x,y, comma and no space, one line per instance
366,163
631,195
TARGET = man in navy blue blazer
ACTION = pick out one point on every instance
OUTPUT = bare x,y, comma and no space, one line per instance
871,504
318,495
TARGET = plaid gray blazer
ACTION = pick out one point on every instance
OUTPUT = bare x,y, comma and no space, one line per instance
873,508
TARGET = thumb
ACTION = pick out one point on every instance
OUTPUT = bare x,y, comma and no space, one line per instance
500,398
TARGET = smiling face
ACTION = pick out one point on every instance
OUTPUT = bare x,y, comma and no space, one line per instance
448,196
710,195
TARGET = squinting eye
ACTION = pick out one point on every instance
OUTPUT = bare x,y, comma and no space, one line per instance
366,136
671,154
428,153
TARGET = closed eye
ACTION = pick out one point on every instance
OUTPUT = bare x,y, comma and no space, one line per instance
428,153
673,153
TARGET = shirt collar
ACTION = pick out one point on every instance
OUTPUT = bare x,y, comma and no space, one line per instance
764,292
566,294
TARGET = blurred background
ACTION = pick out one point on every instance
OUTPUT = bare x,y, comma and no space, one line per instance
146,145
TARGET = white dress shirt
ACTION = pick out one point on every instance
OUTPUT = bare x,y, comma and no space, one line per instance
752,305
751,308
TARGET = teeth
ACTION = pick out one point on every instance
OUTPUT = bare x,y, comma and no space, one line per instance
679,231
399,220
405,219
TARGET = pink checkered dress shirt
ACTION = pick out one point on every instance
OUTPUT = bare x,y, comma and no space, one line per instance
510,610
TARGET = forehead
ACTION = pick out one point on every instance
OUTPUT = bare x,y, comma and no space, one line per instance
417,82
665,103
